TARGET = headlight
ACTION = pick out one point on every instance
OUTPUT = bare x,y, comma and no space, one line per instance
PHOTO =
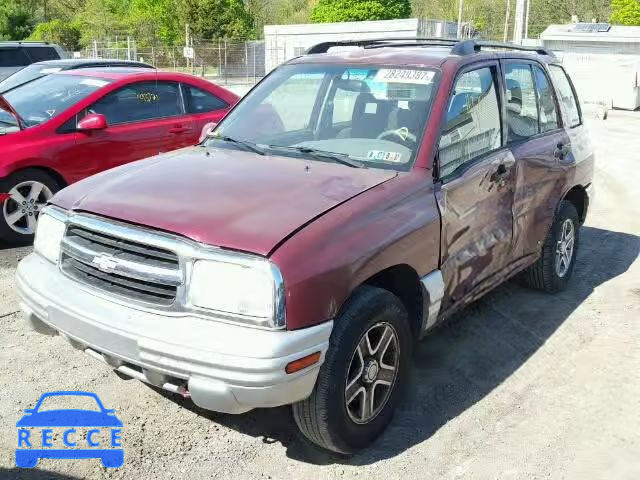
49,235
252,290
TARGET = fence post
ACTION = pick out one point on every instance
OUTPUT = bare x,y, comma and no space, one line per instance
226,80
128,48
219,60
246,59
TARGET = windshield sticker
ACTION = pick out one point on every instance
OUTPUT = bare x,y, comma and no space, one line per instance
382,156
93,82
354,74
51,113
405,75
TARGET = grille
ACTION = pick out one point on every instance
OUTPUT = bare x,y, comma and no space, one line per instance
134,270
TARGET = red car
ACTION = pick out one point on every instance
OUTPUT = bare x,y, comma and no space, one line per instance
67,126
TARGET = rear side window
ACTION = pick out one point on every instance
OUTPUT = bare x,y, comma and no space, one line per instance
13,57
521,104
139,102
567,95
546,101
40,54
199,101
473,125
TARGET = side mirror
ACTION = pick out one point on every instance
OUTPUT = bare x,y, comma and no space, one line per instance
93,121
206,130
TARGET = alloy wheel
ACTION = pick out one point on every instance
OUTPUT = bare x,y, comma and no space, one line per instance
372,373
564,248
24,204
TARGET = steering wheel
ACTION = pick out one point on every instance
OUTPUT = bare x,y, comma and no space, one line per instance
399,133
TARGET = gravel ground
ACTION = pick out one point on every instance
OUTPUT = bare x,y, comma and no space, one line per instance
521,385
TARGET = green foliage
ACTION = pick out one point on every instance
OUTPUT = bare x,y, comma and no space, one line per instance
358,10
16,21
211,19
625,12
56,31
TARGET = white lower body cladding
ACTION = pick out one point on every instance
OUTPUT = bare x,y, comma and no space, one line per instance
223,367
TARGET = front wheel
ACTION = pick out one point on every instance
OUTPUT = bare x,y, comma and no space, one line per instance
365,367
26,193
553,270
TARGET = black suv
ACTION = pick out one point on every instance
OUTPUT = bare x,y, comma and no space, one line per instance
16,55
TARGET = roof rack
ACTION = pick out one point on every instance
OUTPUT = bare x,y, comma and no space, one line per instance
467,47
458,47
24,42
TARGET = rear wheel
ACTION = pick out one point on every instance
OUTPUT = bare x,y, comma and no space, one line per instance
28,191
553,270
359,383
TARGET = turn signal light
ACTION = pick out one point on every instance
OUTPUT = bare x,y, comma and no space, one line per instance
303,362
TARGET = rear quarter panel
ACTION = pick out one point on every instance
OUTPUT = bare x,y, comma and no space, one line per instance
394,223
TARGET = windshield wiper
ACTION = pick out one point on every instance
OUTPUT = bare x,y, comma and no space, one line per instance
342,158
248,145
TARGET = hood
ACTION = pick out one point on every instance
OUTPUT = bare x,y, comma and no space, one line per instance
7,106
229,198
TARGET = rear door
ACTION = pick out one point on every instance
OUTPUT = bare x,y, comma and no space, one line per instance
476,180
539,145
144,118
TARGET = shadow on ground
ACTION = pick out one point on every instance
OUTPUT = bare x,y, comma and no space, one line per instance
32,474
464,360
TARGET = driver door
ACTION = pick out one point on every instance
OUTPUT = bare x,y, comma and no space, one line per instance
476,185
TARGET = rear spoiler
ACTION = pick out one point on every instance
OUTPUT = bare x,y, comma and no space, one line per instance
7,106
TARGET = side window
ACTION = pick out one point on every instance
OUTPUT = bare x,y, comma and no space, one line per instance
199,101
40,54
546,102
521,104
473,125
344,102
567,94
13,57
139,102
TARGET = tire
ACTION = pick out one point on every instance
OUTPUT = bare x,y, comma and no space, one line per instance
324,417
544,274
23,230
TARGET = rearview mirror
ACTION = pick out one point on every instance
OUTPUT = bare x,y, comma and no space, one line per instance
93,121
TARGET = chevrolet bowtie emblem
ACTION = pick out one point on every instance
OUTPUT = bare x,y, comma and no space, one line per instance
105,263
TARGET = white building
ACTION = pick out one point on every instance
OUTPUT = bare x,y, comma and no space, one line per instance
283,42
603,60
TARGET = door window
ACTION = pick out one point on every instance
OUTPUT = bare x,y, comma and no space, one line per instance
473,125
13,57
199,101
40,54
139,102
546,101
521,104
567,95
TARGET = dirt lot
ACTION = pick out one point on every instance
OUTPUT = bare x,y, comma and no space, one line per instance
520,386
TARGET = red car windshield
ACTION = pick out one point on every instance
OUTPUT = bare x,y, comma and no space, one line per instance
43,99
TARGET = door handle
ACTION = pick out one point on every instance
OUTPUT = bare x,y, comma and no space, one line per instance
178,129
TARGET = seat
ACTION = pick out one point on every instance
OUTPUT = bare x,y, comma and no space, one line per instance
369,118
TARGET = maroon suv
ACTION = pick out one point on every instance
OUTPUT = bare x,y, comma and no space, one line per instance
350,202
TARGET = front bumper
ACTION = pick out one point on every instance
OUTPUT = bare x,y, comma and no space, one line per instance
222,367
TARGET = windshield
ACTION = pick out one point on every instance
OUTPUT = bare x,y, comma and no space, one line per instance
27,74
43,99
65,402
374,116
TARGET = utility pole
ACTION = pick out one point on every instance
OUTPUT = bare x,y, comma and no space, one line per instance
506,20
459,35
518,27
186,40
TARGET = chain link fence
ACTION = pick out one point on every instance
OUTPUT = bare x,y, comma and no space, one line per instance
228,63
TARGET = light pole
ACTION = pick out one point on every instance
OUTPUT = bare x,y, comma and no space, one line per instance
459,35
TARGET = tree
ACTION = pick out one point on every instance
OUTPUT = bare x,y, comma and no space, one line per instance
216,19
625,12
16,22
56,31
358,10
